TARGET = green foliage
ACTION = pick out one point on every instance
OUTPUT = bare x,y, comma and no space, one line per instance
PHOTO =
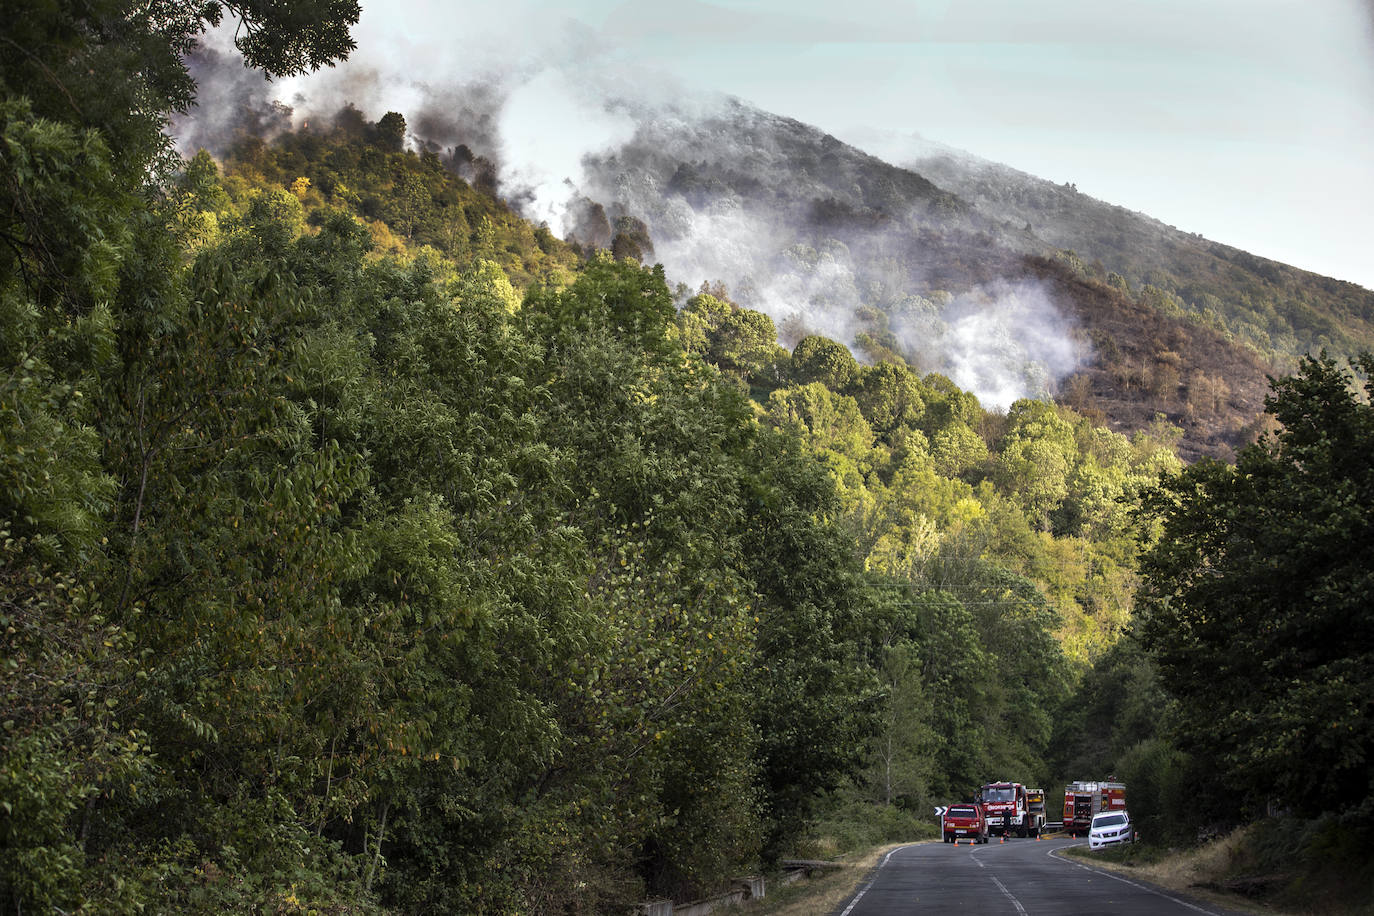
814,691
1331,855
67,742
667,448
391,131
54,489
1285,862
955,670
339,579
290,41
1016,560
118,67
1161,791
831,422
631,240
851,824
1115,706
407,199
1258,597
890,397
63,222
1035,458
738,341
957,450
822,360
902,762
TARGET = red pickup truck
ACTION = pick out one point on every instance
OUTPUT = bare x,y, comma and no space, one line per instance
964,822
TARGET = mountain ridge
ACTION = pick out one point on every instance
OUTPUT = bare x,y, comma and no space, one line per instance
899,232
908,260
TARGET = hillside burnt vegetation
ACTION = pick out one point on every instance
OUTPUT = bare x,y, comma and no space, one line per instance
1146,365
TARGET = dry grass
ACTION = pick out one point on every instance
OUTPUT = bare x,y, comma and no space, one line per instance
1193,873
1203,865
823,894
1189,872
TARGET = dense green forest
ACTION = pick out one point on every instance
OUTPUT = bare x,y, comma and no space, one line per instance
364,548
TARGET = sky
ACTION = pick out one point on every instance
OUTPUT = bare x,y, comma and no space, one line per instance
1250,122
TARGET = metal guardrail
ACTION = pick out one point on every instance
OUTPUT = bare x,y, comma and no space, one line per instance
809,865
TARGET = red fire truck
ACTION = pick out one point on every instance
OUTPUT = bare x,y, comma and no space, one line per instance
1007,807
1084,799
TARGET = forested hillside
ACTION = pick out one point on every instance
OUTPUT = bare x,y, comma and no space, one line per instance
1280,311
365,548
945,261
1063,478
1009,285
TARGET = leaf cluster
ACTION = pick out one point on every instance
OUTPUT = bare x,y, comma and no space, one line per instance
1258,601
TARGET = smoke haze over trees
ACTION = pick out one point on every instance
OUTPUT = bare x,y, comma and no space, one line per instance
368,548
825,239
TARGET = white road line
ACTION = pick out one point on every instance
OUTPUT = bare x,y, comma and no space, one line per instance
1014,902
864,890
1054,854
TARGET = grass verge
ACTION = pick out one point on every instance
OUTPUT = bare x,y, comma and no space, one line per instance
1191,872
1279,866
822,895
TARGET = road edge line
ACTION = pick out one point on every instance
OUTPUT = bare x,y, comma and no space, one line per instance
873,877
1144,886
1010,896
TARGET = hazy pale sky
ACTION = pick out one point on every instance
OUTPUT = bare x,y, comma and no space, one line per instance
1249,121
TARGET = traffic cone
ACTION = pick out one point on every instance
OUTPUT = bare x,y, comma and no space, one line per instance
1004,838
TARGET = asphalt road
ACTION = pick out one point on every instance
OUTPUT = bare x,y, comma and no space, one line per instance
1016,878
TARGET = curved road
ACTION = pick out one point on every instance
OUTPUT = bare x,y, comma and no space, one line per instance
1016,878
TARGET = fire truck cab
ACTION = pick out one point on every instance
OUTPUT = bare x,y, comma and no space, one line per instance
1007,808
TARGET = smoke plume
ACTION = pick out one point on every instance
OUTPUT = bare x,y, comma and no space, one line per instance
822,237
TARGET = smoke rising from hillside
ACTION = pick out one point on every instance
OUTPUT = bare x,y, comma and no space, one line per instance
792,222
230,98
1008,343
548,127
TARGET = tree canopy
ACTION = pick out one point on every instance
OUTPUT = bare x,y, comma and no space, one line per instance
1259,592
364,548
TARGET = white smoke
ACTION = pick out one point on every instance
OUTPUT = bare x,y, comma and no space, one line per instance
1003,342
548,128
1008,343
565,118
